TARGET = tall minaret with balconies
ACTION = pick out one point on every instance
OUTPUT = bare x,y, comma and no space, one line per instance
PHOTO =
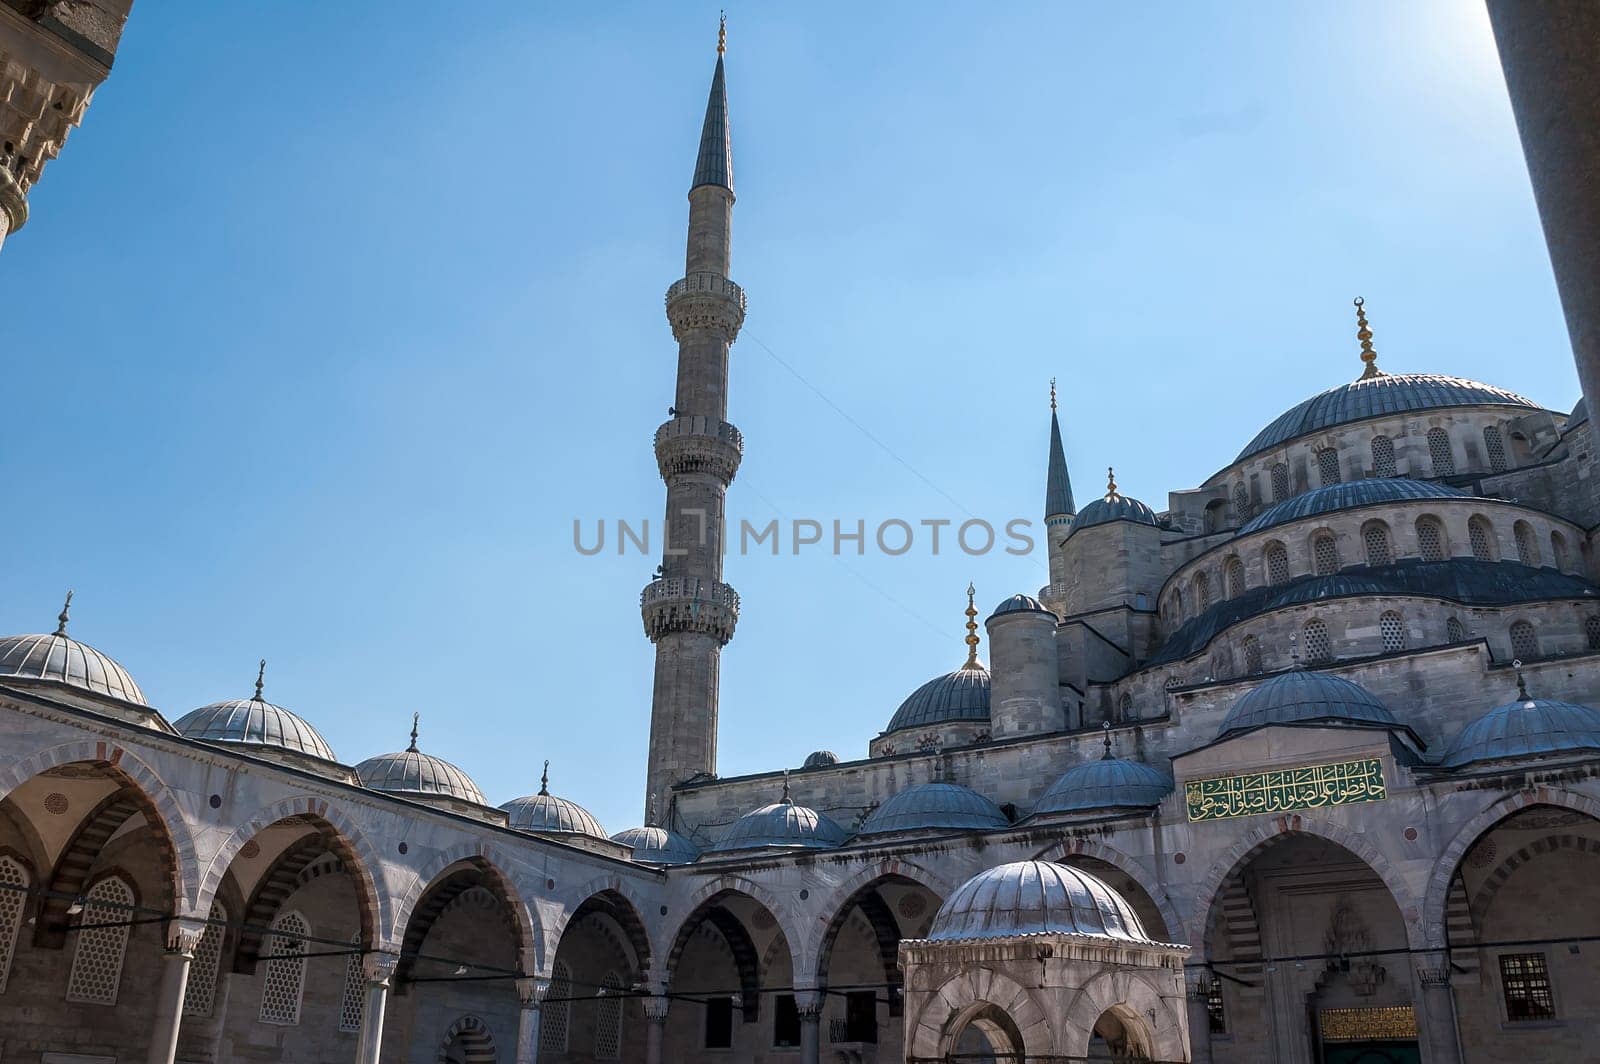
689,613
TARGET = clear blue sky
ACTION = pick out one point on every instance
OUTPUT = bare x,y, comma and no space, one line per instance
330,320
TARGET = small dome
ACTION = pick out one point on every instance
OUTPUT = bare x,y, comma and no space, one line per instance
545,814
1035,898
1108,783
59,659
1389,393
1113,508
955,696
1528,727
1020,604
820,759
658,846
780,825
934,807
1304,697
1348,496
252,722
413,774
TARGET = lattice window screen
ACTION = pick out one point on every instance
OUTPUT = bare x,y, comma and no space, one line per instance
1235,577
1383,457
1280,482
1527,546
1591,631
1202,591
556,1013
608,1020
1277,564
1328,465
1325,555
1393,632
284,985
1252,655
1495,444
353,1001
1482,539
1430,539
1524,641
13,899
200,994
1318,648
1444,460
1376,538
1241,501
97,959
1454,630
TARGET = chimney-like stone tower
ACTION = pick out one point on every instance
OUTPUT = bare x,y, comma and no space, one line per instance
689,613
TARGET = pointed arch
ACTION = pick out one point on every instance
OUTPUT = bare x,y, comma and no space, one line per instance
671,938
945,1013
475,1039
446,878
705,907
1129,866
1132,995
83,849
618,900
810,957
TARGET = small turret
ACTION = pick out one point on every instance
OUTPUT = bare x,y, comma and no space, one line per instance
1024,669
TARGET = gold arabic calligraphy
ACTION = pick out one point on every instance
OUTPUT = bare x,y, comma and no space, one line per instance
1311,787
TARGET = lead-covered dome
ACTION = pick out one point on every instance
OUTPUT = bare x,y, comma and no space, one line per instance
253,722
61,659
1528,727
781,825
1019,604
1304,697
820,759
962,695
934,807
1378,396
413,774
545,814
1347,496
1114,506
1109,783
657,845
1035,898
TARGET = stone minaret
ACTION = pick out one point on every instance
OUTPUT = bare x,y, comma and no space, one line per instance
689,613
1058,511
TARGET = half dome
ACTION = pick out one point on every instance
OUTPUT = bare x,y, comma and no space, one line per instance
253,722
1035,898
658,846
934,807
1108,783
962,695
781,825
63,660
1528,727
1304,697
1347,496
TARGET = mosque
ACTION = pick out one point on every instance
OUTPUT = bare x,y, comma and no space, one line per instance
1299,766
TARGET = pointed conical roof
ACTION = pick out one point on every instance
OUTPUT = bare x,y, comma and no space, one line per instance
714,166
1057,486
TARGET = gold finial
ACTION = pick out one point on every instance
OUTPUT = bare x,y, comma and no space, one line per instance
1111,484
544,782
972,631
261,676
1052,394
722,35
415,717
61,618
1364,334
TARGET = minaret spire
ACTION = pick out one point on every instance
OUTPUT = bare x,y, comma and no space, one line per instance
1058,485
972,661
688,612
1364,334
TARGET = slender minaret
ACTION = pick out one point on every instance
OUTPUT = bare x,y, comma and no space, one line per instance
1058,507
689,613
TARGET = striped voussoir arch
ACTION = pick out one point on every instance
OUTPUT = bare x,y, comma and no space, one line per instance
471,1035
1538,847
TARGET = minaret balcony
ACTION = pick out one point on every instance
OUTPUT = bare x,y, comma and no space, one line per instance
689,604
705,301
704,445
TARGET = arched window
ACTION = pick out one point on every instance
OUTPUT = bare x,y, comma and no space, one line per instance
1524,641
1383,457
1328,465
1324,554
555,1013
1318,647
1495,445
608,1020
285,982
14,881
1280,481
1202,592
1252,655
1591,631
1233,571
1277,563
1482,538
1241,500
200,994
1455,631
97,959
1393,631
1376,538
1527,543
1444,460
1177,594
353,1000
1558,550
1430,538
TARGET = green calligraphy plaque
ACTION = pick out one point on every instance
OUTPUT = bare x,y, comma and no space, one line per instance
1311,787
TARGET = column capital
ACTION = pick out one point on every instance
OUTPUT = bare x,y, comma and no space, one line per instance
12,201
378,966
655,1008
182,936
1433,978
531,991
808,1003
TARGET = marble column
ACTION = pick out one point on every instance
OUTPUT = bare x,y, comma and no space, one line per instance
809,1004
1550,52
1199,988
655,1027
1436,1026
531,993
378,969
175,963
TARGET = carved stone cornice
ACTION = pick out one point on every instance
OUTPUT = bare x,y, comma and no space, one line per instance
698,445
705,301
36,114
1433,978
689,604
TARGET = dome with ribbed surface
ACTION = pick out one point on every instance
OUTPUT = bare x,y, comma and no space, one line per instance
252,722
1035,898
820,759
962,695
781,825
1348,496
934,807
545,814
60,659
1388,393
1019,604
1113,508
413,774
658,846
1528,727
1108,783
1304,697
